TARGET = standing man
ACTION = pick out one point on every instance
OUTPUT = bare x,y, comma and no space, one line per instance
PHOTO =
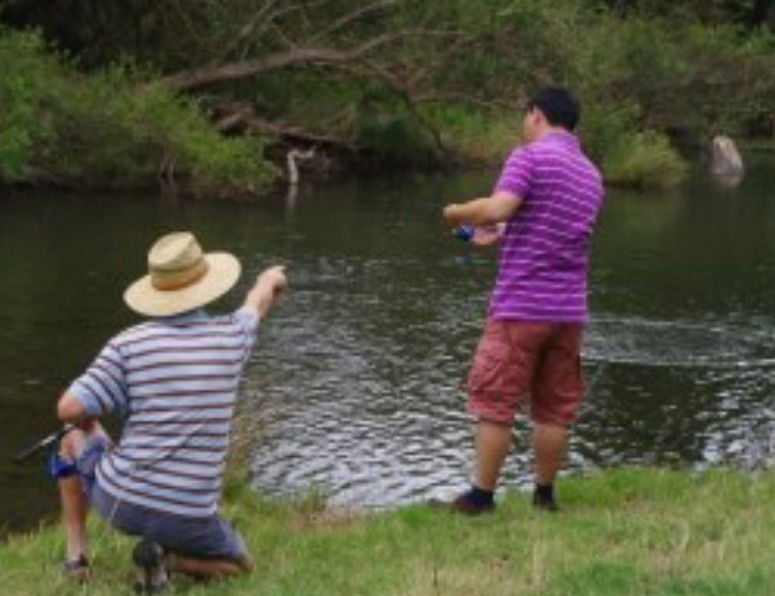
175,379
548,196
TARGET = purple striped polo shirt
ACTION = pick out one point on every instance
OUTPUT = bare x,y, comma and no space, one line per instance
543,260
175,379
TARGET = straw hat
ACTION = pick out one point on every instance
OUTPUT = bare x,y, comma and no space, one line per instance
181,277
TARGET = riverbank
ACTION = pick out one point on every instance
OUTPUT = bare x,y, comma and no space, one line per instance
623,531
221,118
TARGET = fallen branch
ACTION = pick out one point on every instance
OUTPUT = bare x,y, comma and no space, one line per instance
298,134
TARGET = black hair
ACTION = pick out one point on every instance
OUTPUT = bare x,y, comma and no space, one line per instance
558,105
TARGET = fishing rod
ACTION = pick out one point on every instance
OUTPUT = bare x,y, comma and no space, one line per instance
44,443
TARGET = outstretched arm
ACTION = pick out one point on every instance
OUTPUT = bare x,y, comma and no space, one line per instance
270,283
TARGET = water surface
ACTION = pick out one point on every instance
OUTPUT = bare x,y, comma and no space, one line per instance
356,387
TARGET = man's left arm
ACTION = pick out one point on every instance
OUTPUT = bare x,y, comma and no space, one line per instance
485,211
101,389
70,410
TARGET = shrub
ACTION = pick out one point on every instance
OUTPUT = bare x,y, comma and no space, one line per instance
110,129
644,159
392,140
23,123
478,136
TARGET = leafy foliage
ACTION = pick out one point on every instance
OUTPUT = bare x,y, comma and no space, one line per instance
405,82
63,126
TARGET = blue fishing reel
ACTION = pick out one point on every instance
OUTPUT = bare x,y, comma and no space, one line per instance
464,233
57,466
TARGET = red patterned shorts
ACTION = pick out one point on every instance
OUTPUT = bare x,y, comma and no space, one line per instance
518,360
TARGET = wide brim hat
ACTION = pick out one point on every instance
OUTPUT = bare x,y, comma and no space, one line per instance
181,277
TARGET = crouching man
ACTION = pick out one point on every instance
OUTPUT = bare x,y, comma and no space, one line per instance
174,379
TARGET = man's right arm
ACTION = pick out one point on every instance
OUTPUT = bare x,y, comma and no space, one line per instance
270,283
510,191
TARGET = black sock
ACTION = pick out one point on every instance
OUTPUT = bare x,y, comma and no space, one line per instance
480,497
544,493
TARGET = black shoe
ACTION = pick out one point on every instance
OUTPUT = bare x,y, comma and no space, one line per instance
462,504
149,560
77,569
545,504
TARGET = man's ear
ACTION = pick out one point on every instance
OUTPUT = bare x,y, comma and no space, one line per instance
539,118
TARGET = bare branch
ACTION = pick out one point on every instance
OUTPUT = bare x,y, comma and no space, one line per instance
297,133
441,59
284,38
261,21
249,29
191,79
462,97
352,17
194,78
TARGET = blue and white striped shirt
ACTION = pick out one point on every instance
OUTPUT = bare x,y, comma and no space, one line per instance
175,380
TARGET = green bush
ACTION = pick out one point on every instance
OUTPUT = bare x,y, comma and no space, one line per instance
476,136
643,70
644,159
23,122
394,140
110,129
626,154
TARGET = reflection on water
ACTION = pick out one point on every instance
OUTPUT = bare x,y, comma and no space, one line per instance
357,382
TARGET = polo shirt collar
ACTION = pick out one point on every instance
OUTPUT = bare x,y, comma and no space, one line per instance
191,316
562,136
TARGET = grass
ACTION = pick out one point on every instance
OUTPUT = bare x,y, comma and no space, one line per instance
624,531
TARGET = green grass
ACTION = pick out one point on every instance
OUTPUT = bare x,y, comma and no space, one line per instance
625,531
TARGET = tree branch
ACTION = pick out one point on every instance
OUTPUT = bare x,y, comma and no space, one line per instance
249,29
462,97
298,134
208,75
352,17
441,59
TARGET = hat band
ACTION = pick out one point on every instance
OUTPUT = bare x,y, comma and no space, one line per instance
175,280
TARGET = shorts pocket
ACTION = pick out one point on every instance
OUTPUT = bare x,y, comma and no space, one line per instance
488,368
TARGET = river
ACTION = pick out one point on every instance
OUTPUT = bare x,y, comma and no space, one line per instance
356,385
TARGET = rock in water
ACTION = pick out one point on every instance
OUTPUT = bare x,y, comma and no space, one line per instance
726,158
